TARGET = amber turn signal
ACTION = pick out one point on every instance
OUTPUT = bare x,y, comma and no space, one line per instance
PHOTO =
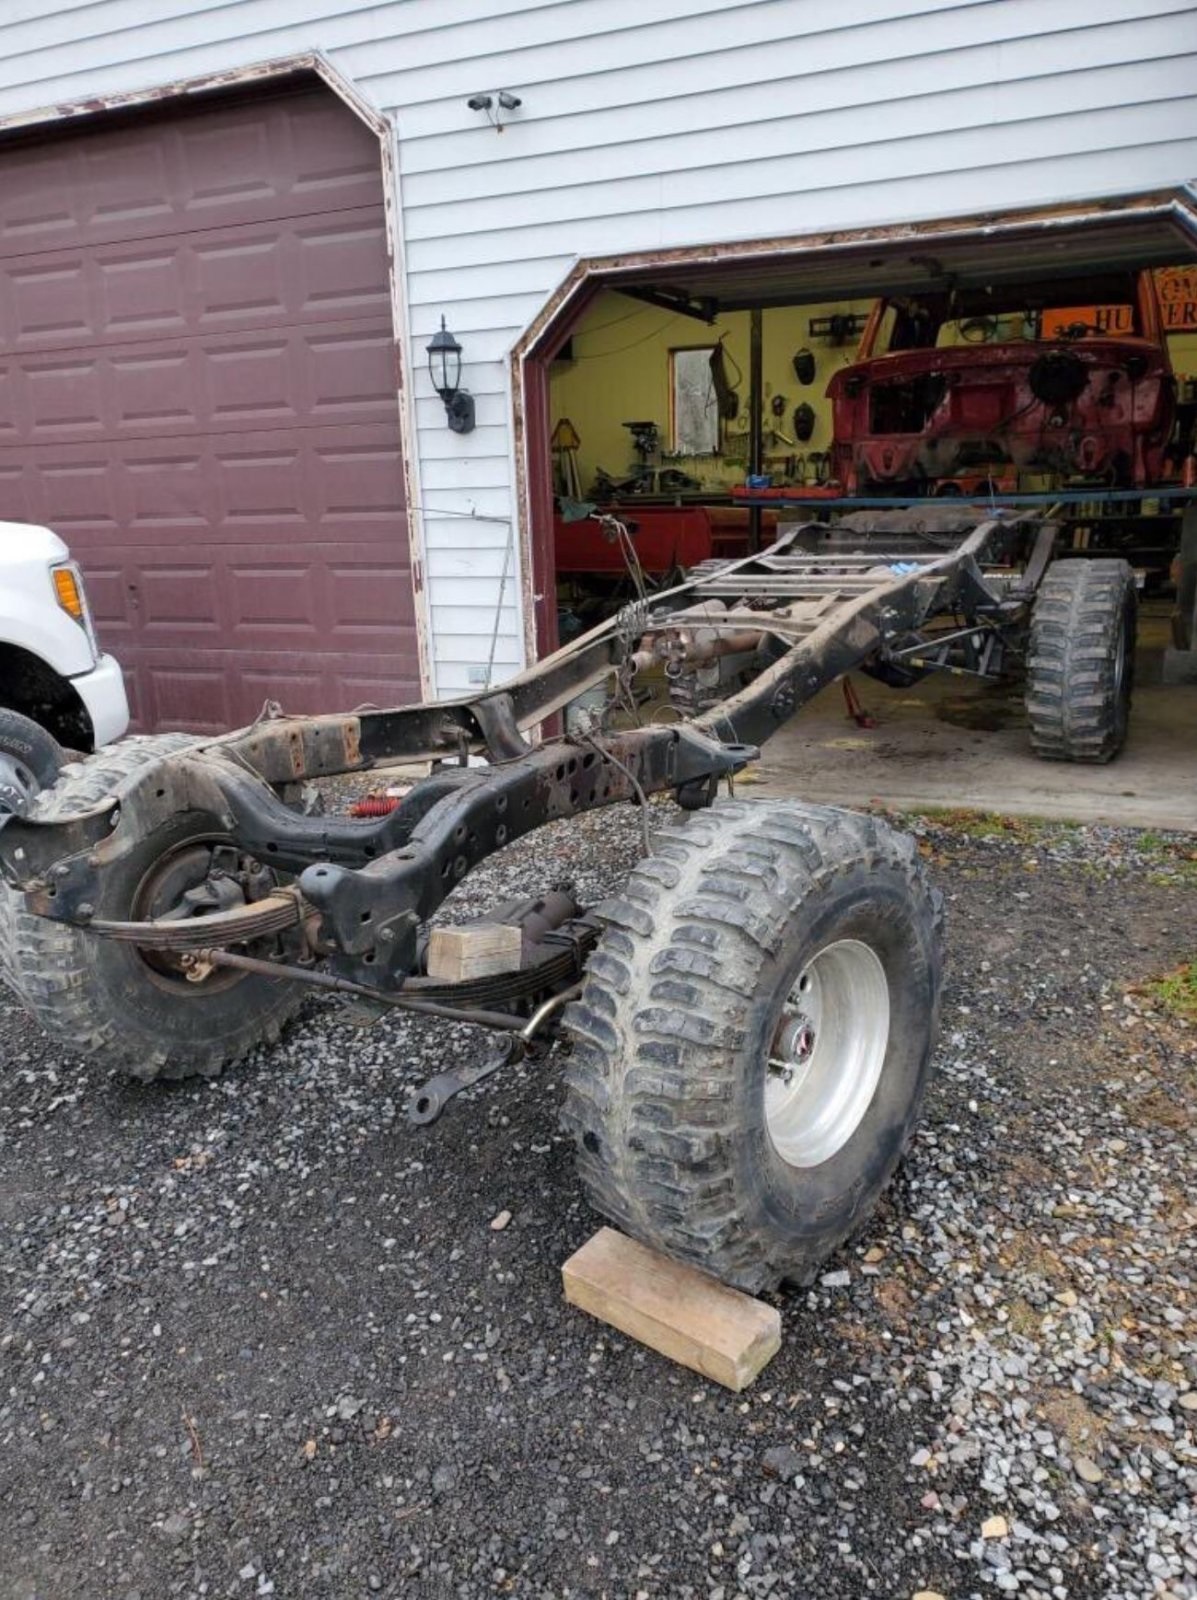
70,596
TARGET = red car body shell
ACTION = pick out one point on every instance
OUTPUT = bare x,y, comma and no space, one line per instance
923,416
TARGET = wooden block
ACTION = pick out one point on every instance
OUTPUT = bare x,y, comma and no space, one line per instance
672,1308
474,950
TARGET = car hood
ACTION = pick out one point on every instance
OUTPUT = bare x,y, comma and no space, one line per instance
25,542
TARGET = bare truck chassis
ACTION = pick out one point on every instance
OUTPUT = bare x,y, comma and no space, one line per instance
164,909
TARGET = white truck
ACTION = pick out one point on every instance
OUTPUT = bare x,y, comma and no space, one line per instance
58,690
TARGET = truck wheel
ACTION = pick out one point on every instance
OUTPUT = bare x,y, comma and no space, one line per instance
1081,660
30,761
137,1011
754,1036
1184,618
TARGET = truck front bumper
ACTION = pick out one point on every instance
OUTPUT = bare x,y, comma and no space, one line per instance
102,691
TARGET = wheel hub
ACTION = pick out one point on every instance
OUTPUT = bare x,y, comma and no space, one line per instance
795,1046
198,879
827,1053
18,786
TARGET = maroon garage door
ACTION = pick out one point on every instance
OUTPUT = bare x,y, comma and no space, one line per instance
198,392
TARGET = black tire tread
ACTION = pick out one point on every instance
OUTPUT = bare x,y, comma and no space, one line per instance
1184,617
31,743
684,945
1071,701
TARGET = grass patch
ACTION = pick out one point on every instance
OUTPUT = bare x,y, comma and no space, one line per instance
1176,991
1175,859
974,824
1182,871
1023,1319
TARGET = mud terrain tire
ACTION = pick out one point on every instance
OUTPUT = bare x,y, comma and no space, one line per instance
101,998
1080,660
29,743
670,1086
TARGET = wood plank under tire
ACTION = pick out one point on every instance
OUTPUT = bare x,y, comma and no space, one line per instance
673,1308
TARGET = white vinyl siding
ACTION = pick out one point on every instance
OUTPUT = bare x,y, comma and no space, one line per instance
649,124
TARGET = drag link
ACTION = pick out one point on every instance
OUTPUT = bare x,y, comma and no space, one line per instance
498,1020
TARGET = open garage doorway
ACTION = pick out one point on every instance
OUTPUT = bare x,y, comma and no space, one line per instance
1040,365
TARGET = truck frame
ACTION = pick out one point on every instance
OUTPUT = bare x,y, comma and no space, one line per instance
751,1019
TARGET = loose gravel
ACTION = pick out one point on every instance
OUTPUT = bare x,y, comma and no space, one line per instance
259,1337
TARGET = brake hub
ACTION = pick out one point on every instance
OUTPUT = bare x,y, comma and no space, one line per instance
17,786
200,879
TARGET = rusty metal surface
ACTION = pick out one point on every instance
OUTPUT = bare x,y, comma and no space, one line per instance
1083,402
283,909
872,583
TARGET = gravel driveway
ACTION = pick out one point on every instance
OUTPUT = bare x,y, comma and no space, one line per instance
259,1337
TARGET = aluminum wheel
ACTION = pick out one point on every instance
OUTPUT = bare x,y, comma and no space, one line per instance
827,1053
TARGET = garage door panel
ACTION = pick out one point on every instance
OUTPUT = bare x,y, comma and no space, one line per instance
299,693
357,688
361,483
308,598
62,396
343,485
269,274
265,492
9,428
353,373
178,598
197,698
127,184
243,275
77,497
187,687
133,294
166,495
273,158
226,162
108,591
198,389
340,266
145,391
339,373
272,600
46,301
368,597
254,383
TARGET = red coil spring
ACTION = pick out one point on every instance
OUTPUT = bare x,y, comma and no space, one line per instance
375,805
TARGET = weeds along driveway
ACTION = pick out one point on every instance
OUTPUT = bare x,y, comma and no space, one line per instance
258,1336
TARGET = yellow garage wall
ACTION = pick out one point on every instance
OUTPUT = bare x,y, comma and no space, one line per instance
620,373
1183,349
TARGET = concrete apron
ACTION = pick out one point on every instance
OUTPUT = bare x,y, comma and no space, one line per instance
951,742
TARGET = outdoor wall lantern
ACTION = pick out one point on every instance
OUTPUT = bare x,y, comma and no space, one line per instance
444,368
